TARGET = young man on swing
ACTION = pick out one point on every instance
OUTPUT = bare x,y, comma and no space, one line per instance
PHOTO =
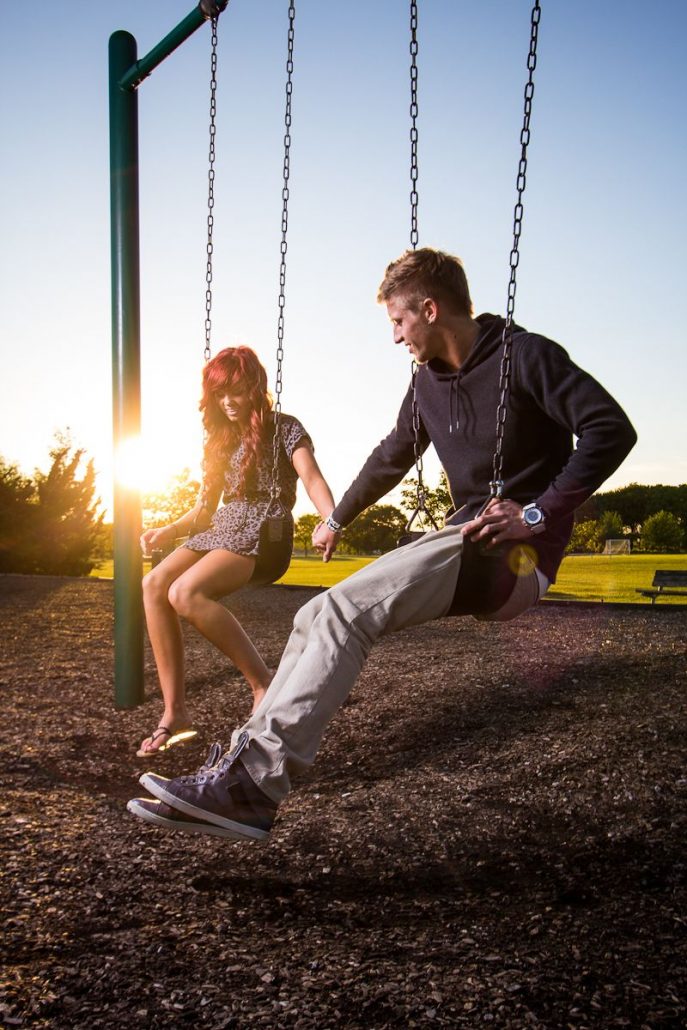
493,562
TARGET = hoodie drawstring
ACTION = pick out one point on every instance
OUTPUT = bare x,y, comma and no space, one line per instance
453,388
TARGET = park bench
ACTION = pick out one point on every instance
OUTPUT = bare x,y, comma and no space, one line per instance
667,582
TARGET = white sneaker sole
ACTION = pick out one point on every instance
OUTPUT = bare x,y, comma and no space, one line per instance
150,815
238,831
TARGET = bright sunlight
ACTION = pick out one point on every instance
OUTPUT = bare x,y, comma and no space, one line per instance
144,465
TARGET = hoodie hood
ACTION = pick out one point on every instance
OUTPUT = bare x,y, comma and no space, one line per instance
489,340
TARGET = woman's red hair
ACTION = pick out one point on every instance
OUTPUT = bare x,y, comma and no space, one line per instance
238,368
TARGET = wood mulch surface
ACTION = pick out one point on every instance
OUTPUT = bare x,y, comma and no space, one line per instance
493,833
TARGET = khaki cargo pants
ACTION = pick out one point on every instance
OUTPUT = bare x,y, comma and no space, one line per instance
332,637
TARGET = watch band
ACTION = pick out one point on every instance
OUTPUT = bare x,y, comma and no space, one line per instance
332,524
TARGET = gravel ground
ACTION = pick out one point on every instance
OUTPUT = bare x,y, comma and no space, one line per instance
493,833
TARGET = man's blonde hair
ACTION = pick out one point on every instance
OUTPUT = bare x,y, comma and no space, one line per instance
422,273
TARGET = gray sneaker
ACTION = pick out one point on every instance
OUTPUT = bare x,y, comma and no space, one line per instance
149,779
222,795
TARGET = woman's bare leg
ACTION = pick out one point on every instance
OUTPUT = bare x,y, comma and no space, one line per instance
193,595
164,632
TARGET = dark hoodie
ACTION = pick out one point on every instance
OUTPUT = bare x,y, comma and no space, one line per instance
550,400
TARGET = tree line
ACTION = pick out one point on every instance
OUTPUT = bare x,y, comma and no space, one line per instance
51,522
653,518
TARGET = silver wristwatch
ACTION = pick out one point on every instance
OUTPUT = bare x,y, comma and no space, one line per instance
332,524
533,517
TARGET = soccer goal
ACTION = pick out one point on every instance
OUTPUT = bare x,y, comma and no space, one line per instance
617,547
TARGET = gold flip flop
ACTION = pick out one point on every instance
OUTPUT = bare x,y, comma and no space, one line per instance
174,738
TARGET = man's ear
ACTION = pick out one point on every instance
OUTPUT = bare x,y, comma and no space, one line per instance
430,310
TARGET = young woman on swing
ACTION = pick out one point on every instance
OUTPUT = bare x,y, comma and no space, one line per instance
221,558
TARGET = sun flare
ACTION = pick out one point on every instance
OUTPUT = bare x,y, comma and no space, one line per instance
141,465
129,465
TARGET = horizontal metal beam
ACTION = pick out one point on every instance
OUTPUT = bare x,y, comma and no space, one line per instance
205,10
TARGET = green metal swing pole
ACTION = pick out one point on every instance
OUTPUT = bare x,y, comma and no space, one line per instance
125,74
126,371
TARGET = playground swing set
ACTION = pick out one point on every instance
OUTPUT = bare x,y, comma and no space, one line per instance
126,73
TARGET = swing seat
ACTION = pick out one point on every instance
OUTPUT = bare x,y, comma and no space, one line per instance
487,576
408,537
274,550
485,581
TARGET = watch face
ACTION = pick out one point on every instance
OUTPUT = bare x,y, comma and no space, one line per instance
533,516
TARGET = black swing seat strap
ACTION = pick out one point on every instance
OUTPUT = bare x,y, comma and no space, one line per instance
274,549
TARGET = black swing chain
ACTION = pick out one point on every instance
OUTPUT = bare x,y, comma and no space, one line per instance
207,352
496,485
414,110
275,489
414,239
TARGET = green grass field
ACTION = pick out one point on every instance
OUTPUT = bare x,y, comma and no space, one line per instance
597,577
581,577
302,572
313,572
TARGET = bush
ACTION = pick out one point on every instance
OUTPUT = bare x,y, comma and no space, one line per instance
662,532
303,531
50,524
585,538
376,530
17,512
589,537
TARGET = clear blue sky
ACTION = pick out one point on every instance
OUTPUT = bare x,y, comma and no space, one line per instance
602,263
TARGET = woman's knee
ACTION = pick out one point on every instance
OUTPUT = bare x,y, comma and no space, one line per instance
181,597
155,587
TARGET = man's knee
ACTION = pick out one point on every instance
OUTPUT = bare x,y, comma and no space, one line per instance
336,614
306,615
